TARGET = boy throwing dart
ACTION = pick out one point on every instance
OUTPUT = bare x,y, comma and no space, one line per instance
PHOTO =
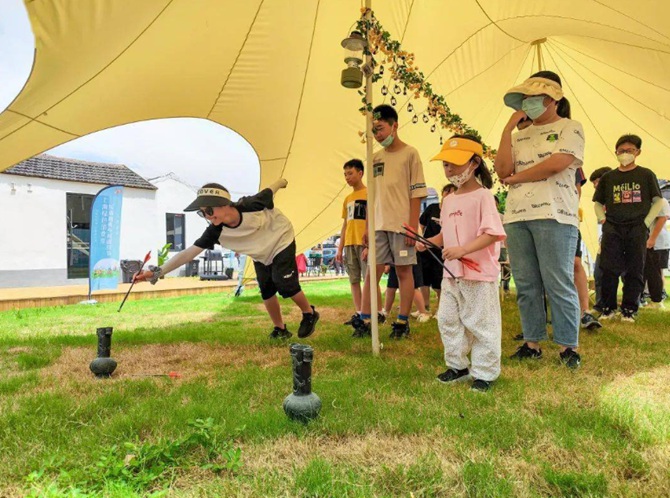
251,226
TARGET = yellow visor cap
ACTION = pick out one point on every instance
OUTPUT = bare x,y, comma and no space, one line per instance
459,151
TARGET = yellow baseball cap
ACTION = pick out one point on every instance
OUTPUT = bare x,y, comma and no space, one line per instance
459,151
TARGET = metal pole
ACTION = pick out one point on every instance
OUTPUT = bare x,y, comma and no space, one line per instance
372,249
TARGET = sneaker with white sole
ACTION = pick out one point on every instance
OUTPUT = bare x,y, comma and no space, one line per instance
628,316
656,306
423,317
453,375
607,314
481,386
570,358
590,322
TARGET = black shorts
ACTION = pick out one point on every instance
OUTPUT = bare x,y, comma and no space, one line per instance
279,276
578,254
431,270
393,278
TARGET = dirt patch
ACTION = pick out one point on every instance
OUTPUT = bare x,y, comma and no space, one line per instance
189,360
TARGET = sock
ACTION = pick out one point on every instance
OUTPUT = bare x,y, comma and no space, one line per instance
402,318
365,316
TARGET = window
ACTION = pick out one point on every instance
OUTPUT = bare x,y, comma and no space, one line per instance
78,227
175,231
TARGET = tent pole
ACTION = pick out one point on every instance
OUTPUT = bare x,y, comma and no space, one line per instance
372,249
538,48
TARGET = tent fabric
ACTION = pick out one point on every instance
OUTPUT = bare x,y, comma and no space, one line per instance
270,70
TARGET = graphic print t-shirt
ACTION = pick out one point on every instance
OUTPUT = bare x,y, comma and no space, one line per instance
556,197
398,178
627,195
354,210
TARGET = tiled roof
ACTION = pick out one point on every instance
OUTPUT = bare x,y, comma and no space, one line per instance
74,170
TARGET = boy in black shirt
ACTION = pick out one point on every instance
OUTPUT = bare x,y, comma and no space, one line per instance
251,226
627,200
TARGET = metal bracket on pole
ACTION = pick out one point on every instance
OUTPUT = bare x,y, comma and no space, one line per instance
538,46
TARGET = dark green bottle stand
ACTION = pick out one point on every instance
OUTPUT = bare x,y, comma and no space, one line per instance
103,365
302,404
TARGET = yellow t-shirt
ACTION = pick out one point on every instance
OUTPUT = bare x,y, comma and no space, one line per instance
354,210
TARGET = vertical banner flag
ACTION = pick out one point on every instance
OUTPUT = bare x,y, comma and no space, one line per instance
104,268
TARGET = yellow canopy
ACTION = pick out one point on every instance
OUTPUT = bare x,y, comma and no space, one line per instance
270,70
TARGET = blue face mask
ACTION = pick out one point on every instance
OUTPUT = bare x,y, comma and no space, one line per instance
533,106
387,141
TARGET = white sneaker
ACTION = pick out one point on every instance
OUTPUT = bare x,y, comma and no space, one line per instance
656,306
415,314
423,317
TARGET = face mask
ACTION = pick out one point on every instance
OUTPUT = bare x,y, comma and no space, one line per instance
626,159
534,107
387,141
460,179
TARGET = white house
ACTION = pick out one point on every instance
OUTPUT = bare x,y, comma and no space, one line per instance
45,203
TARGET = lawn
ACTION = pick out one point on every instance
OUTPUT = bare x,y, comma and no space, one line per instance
387,427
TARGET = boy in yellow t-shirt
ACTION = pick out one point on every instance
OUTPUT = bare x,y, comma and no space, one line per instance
351,247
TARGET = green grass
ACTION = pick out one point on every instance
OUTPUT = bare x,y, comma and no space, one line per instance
387,428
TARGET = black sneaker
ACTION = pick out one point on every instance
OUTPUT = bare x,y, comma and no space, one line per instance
453,375
399,330
607,314
628,316
381,318
278,333
481,386
571,358
308,323
362,330
351,320
518,337
525,352
590,322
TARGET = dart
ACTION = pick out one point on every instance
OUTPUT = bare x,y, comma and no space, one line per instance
146,258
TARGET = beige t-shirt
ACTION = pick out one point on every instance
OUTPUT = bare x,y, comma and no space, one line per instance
398,178
556,197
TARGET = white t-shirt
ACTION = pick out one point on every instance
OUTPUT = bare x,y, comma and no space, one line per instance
663,240
398,178
556,197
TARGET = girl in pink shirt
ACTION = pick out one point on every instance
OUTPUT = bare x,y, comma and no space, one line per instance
469,313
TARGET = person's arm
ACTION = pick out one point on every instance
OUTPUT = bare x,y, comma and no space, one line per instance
438,240
656,206
659,226
600,212
340,247
179,259
457,252
262,200
541,171
504,162
414,210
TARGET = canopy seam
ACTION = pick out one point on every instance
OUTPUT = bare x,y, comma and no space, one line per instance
35,120
239,53
322,211
496,24
302,89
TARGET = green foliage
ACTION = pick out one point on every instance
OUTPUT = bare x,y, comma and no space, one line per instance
576,484
163,253
481,481
144,466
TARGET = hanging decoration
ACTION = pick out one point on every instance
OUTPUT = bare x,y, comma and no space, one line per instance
400,65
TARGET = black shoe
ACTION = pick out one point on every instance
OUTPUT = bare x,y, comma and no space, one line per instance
481,386
361,329
590,322
308,323
453,375
607,314
570,358
525,352
351,320
399,330
278,333
381,318
628,315
518,337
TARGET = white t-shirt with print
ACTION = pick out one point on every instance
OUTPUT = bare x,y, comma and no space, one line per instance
556,197
663,240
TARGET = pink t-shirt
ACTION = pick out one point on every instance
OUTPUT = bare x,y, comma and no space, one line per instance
464,217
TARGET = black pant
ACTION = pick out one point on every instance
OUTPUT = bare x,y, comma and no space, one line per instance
598,279
654,265
622,255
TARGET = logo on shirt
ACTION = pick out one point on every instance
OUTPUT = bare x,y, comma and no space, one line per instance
378,169
525,163
518,211
289,275
357,210
416,186
578,133
522,139
552,137
538,206
563,185
456,213
543,154
566,213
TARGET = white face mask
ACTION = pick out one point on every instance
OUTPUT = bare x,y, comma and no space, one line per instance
626,159
462,178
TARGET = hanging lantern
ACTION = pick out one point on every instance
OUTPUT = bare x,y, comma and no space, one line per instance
385,90
432,128
415,119
381,70
441,140
352,76
404,90
397,89
425,118
393,101
410,107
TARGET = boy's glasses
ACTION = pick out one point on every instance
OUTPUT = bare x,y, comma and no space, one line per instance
208,211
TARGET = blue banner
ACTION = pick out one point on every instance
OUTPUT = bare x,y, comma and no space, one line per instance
104,268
